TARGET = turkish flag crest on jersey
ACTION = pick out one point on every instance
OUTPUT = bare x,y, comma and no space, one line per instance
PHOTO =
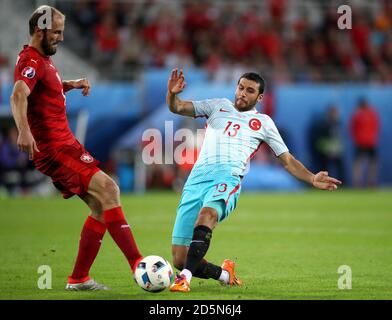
254,124
28,72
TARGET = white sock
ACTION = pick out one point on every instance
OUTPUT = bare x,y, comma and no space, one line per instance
224,277
187,274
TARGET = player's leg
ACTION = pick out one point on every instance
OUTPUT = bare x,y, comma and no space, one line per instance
90,238
205,269
187,213
95,206
89,245
75,172
357,168
103,188
202,233
195,264
218,204
190,259
373,168
340,169
198,247
71,169
193,230
179,253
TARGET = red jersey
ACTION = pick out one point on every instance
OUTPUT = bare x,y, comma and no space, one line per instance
46,111
365,127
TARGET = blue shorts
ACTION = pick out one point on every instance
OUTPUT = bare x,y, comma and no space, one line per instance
220,193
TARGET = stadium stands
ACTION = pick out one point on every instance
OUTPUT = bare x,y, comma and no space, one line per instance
291,41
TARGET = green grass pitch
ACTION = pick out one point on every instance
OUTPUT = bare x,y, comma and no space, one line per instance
287,246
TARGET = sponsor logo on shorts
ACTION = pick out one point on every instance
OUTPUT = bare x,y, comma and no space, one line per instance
254,124
85,157
28,72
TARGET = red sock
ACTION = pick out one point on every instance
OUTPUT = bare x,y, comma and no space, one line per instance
122,235
89,244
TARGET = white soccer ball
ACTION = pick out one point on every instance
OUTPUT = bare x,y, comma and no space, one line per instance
154,274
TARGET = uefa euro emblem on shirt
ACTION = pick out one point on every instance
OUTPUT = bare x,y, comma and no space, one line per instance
28,72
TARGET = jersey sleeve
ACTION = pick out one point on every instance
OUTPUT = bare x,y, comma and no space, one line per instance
274,139
205,108
29,71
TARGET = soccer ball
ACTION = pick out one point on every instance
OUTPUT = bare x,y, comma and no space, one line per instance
154,274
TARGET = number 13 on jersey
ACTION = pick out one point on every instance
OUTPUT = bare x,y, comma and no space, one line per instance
232,129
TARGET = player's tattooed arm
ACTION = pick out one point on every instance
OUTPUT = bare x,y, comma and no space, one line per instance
83,84
18,99
176,85
320,180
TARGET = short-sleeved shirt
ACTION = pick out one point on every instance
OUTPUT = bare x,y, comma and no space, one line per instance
61,156
232,138
46,111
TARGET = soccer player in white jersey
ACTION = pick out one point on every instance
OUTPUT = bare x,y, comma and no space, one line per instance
234,133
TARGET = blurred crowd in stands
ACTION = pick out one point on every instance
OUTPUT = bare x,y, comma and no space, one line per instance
18,175
285,40
289,40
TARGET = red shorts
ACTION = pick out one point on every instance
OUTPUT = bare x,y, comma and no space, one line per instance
71,168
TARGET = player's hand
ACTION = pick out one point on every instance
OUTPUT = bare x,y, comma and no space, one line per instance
176,81
26,143
82,84
324,182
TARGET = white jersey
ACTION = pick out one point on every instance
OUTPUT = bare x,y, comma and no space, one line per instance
232,137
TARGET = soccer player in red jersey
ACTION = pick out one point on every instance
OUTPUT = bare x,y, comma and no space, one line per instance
39,110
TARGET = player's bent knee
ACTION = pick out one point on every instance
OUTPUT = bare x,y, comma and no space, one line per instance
111,186
107,192
208,217
110,189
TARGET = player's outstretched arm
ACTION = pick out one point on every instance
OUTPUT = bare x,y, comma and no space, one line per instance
176,85
320,180
18,99
83,84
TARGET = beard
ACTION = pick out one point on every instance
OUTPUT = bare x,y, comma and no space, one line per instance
46,47
249,106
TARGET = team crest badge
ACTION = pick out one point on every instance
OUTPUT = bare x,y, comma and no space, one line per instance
254,124
28,72
85,157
